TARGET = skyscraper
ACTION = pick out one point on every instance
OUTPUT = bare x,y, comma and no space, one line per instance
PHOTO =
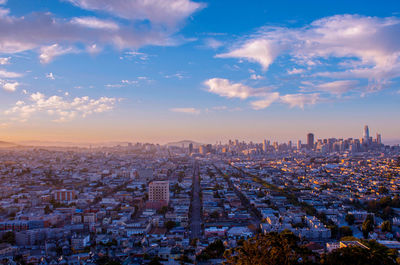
378,138
366,134
310,140
265,146
190,148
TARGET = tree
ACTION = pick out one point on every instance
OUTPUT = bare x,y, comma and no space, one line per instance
350,219
47,210
155,261
213,251
368,225
386,226
271,249
214,215
163,210
357,256
383,190
345,231
169,225
8,237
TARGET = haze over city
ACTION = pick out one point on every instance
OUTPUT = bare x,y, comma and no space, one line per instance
85,71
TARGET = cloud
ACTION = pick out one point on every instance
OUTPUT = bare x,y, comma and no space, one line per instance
50,76
2,2
256,77
4,60
224,88
261,51
62,109
372,44
300,100
49,52
164,12
213,43
266,101
186,110
52,37
9,86
264,98
6,74
338,87
95,23
295,71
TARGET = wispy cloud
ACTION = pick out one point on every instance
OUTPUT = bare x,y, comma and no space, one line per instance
164,12
186,110
264,98
300,100
54,36
7,74
47,53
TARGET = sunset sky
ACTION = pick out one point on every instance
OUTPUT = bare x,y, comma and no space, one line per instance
167,70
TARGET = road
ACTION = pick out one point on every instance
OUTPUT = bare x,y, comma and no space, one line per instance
195,222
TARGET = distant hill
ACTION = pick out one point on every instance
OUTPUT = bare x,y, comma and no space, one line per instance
7,144
184,143
72,144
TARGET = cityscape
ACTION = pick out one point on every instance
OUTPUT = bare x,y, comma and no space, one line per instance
178,132
187,203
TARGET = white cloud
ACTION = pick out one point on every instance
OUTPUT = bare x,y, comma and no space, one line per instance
264,98
49,52
300,100
295,71
338,87
261,51
130,82
165,12
37,31
372,43
4,60
186,110
256,77
224,88
9,86
3,2
266,101
50,76
95,23
6,74
62,109
213,43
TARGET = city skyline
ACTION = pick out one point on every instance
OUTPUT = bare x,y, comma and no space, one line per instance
79,71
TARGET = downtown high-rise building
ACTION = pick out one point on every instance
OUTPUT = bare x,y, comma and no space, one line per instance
366,134
310,140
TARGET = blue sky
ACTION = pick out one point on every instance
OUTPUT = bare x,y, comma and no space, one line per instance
164,70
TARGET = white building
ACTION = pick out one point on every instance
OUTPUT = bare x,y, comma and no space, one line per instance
159,191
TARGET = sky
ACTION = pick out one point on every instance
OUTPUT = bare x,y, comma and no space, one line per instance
169,70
